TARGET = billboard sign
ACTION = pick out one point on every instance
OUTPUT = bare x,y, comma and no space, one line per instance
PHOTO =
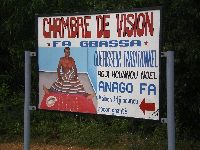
100,63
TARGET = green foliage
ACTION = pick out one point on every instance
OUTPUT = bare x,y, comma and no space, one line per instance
11,111
182,19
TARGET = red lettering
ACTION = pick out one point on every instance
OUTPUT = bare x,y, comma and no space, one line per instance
149,23
106,32
135,24
101,26
71,27
80,26
99,32
119,25
87,33
65,25
125,28
56,27
46,34
129,32
140,25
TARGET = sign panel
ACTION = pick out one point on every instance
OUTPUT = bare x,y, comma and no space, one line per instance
101,63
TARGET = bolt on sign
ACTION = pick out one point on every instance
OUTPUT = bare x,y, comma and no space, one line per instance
100,63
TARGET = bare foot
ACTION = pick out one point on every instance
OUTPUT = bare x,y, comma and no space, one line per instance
45,90
90,96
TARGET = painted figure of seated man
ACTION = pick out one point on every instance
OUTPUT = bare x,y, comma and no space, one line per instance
67,81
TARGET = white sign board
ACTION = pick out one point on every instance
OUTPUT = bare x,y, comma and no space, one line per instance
113,66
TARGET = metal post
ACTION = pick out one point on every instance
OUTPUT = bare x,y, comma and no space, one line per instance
27,100
170,100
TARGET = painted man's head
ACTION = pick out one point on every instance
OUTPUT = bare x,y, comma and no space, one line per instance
67,51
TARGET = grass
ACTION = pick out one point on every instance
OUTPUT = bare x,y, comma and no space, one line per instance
116,141
96,133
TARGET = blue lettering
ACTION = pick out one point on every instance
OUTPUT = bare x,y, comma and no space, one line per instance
140,58
101,85
63,43
107,58
124,43
93,44
135,42
103,43
84,43
129,88
55,43
113,43
66,43
115,87
122,87
151,88
142,87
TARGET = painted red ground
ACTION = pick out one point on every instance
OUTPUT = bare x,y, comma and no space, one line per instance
67,102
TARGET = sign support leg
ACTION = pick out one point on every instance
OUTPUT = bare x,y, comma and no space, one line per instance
170,100
27,100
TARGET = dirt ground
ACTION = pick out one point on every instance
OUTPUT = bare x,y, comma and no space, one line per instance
35,146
